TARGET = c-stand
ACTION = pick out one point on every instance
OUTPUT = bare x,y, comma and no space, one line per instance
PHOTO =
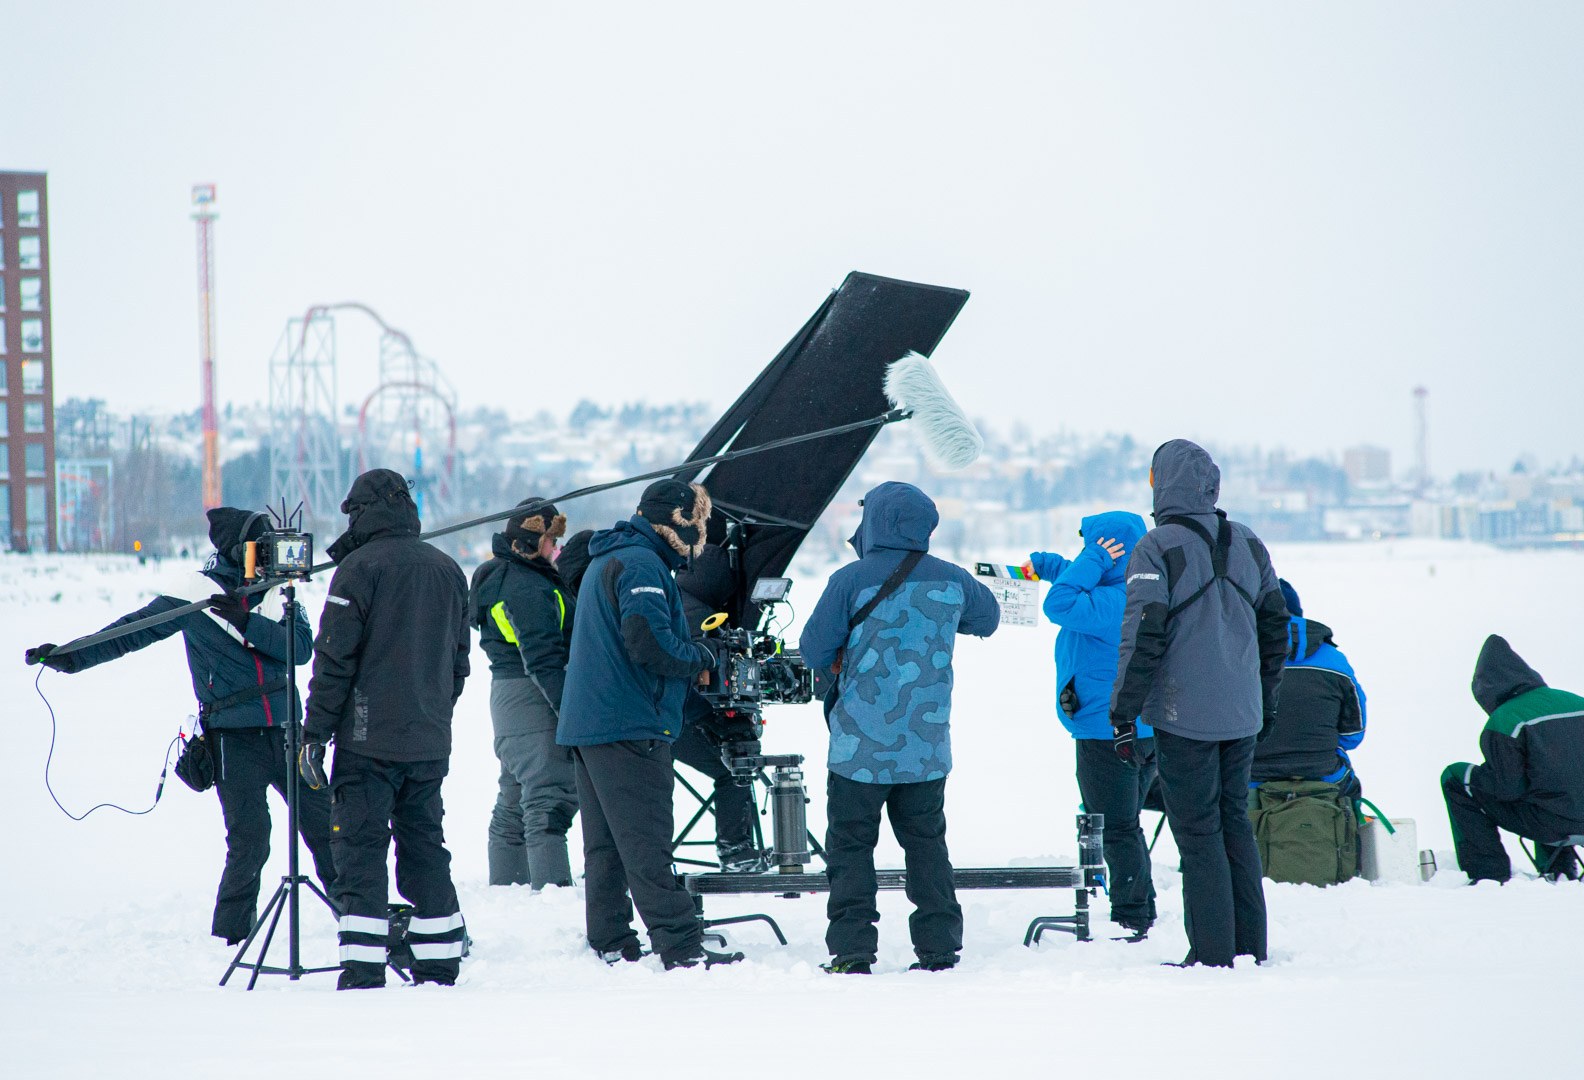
285,898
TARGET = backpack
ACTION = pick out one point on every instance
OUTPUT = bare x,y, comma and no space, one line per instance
1306,830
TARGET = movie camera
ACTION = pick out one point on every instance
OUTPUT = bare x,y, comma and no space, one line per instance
754,668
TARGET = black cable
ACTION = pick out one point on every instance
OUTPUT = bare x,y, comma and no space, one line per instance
158,791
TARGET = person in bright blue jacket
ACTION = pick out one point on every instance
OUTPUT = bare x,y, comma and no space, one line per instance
1086,599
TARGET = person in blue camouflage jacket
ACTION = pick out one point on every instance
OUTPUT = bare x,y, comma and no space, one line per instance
890,736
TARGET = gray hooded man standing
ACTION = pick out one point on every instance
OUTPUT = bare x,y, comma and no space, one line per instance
1203,638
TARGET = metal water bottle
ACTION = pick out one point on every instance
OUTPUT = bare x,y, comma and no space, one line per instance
1427,864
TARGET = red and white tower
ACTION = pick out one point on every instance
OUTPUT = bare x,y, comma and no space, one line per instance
204,213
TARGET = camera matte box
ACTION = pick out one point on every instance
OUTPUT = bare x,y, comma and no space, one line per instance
830,373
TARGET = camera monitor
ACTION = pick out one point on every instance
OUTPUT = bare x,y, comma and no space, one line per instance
293,554
771,590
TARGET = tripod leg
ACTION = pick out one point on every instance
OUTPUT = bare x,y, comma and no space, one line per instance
320,893
269,935
258,924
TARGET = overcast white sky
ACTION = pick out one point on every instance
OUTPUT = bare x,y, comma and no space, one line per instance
1242,222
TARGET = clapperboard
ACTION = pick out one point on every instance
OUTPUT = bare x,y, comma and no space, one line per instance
1018,595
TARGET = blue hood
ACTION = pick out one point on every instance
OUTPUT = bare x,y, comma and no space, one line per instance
1114,525
635,531
896,516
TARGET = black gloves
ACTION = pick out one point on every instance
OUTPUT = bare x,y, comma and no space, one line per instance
310,764
44,654
1267,726
1123,733
232,608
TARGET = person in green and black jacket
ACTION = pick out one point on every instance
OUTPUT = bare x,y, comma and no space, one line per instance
524,614
1532,779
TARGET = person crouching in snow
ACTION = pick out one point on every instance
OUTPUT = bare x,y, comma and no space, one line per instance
1086,599
891,619
1532,779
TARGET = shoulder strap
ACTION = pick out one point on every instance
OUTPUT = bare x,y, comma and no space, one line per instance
1220,550
209,708
892,584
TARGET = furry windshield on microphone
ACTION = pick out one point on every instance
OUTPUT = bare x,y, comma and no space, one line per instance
950,439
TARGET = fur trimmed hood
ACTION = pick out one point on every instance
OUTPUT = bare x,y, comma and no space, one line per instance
679,512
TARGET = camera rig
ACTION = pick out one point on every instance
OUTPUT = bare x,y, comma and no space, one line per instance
754,668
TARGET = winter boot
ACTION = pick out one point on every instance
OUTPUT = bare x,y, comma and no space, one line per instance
704,957
847,967
361,979
934,963
741,858
630,952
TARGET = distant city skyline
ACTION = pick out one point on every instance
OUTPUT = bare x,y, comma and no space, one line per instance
1250,224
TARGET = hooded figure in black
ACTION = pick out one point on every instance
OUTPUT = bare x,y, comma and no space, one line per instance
524,613
708,586
1532,779
389,664
236,651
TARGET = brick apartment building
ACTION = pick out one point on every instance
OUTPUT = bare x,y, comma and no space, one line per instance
27,382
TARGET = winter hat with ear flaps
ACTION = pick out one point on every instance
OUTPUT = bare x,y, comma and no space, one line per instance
678,511
544,520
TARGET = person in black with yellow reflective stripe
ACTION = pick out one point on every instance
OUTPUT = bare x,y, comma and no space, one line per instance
524,614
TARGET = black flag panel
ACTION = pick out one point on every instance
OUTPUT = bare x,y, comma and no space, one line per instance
829,374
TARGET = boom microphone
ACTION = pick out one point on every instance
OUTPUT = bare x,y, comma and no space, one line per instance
950,439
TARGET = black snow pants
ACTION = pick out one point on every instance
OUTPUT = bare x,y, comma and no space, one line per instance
734,803
918,818
1476,820
624,791
1205,786
371,801
250,761
1116,788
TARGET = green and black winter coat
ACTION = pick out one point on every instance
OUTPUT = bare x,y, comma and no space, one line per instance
1534,740
524,615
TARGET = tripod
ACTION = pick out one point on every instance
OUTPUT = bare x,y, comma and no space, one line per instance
285,899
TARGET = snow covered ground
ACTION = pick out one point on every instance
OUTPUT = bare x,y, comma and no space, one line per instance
106,968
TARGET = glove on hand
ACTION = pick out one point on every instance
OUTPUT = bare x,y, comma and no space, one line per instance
310,764
232,608
1266,727
44,654
1123,733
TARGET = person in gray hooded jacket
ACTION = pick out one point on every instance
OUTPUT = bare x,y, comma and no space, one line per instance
1203,639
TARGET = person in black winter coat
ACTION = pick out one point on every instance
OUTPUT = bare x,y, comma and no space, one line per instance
707,586
236,651
524,613
1203,637
1320,709
389,664
632,663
